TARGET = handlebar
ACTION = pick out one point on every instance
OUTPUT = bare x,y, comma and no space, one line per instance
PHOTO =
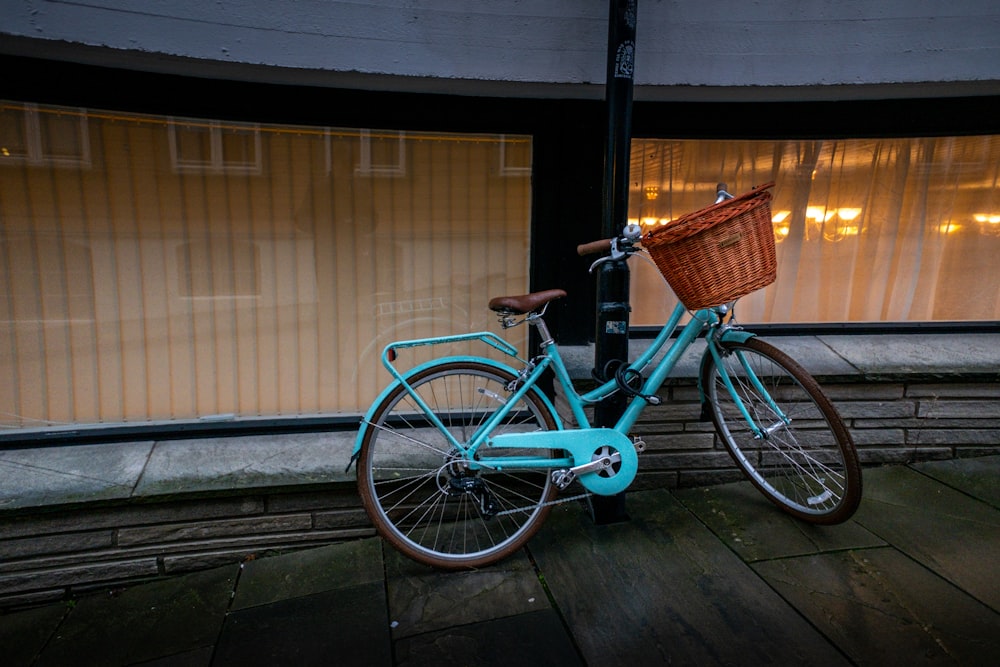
594,247
621,246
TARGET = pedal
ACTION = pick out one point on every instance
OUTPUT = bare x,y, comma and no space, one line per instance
563,478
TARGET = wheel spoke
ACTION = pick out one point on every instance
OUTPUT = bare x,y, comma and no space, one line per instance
414,481
803,460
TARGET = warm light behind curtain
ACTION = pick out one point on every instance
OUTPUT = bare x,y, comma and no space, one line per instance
175,269
868,230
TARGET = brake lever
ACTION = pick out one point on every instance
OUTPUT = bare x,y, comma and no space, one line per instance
621,246
599,262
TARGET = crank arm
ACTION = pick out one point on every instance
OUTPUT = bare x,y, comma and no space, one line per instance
563,478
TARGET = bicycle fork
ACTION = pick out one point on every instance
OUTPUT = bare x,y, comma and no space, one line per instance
717,355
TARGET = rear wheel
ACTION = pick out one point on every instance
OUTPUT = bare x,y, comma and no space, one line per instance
415,486
804,461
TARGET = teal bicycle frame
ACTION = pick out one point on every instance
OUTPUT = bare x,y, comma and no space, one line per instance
582,442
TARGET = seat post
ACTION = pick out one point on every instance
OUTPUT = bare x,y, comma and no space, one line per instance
543,330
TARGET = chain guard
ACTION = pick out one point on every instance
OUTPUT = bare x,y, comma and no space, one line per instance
583,445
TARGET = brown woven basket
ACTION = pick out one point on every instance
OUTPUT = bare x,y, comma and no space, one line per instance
720,253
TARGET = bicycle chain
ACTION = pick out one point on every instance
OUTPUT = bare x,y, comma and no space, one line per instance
557,501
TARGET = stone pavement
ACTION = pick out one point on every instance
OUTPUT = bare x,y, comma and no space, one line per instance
711,575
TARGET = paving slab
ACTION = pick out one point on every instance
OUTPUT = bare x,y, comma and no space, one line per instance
24,634
714,575
920,354
339,627
536,638
947,531
221,464
310,607
152,621
70,474
308,572
662,588
814,354
755,529
201,657
423,600
882,608
978,477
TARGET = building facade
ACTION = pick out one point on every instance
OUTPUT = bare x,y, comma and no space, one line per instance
221,212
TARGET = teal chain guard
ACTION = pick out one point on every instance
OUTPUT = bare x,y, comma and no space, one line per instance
584,445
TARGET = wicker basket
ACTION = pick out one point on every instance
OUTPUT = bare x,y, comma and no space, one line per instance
720,253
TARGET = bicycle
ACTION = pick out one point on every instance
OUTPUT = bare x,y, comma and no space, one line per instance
461,458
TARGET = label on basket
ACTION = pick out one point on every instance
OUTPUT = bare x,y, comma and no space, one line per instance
732,240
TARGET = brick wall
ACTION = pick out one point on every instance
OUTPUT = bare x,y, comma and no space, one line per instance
890,422
47,555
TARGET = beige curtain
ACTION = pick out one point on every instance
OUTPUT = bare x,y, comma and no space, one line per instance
867,230
171,269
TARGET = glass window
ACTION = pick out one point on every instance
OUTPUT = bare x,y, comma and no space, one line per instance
213,147
201,269
53,137
867,230
383,153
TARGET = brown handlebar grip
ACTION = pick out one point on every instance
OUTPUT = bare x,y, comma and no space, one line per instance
593,247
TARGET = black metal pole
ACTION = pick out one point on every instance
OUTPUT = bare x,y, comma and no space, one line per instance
611,339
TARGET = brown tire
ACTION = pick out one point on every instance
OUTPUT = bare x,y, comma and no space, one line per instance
803,458
414,487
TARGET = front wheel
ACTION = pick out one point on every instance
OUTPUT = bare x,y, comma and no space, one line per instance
802,456
413,482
